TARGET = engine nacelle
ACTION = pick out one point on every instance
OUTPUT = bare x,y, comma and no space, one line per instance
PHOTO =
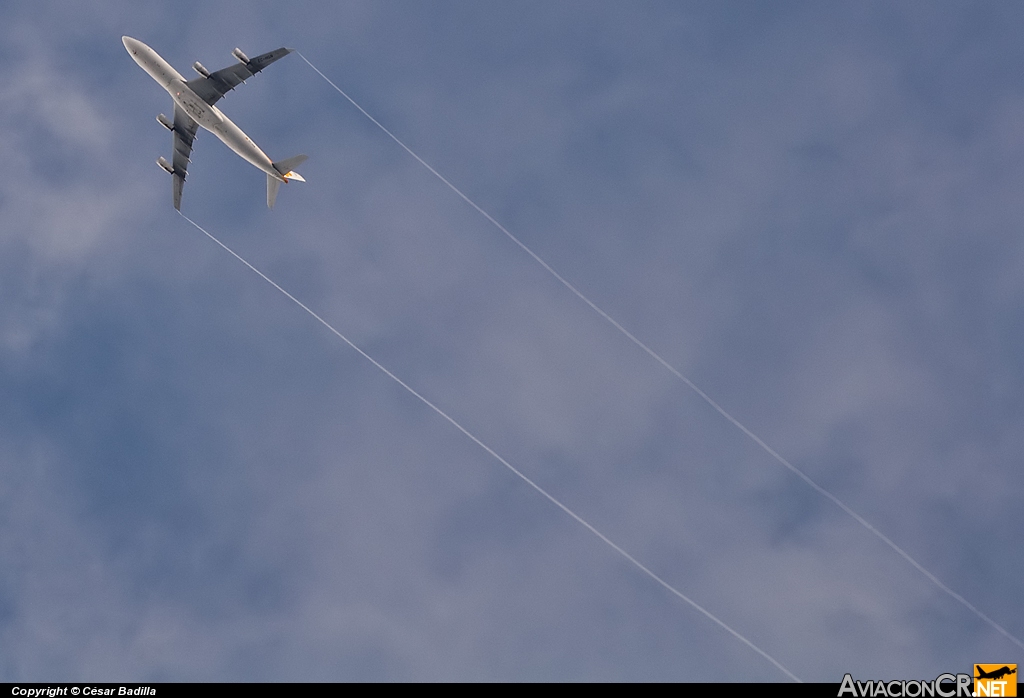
198,67
237,53
165,122
165,166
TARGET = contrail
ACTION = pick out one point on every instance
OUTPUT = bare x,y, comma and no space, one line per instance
636,563
690,384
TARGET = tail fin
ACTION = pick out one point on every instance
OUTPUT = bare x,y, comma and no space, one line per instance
285,168
272,185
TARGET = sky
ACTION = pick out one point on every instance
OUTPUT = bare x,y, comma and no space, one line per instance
812,210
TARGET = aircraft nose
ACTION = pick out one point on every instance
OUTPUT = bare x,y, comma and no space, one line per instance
129,43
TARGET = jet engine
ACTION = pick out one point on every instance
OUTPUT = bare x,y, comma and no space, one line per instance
165,122
237,53
198,67
166,166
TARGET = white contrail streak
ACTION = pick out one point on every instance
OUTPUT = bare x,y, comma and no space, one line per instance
690,384
708,614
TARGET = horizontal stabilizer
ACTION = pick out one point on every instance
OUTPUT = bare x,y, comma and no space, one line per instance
286,166
287,174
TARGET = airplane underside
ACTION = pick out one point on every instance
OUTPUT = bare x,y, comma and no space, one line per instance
194,102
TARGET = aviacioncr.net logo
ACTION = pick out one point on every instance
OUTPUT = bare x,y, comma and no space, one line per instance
995,680
943,686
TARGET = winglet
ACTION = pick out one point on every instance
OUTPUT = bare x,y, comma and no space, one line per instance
179,182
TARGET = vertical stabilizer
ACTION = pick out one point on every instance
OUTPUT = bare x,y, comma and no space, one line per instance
272,186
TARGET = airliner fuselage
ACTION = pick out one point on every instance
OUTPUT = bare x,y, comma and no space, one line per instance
206,115
194,106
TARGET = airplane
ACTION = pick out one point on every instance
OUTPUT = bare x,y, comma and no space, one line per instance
995,674
193,107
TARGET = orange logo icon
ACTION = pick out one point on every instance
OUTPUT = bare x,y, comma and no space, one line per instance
995,680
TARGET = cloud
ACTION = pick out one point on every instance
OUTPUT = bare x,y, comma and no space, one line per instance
200,483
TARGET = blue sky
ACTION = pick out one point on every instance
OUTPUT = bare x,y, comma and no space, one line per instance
812,210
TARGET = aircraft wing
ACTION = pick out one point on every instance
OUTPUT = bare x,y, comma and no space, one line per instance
184,133
218,84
